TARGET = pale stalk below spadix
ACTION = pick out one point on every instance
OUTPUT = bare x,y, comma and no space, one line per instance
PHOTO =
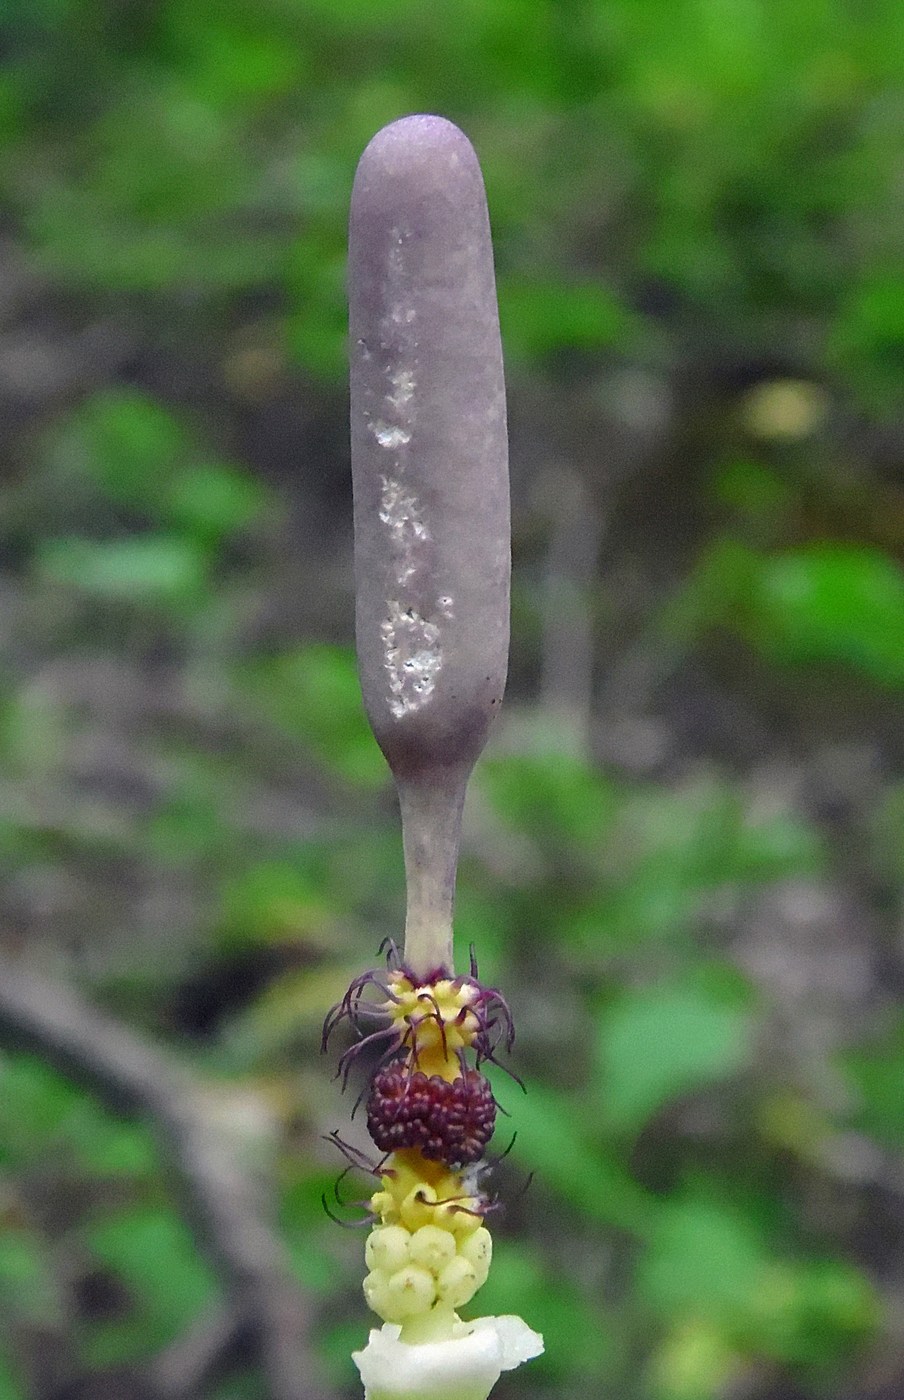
431,830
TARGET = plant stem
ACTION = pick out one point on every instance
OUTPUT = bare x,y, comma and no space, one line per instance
431,808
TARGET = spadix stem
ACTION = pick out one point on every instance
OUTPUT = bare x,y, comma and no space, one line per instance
431,831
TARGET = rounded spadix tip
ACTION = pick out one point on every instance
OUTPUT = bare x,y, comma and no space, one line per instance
424,160
422,134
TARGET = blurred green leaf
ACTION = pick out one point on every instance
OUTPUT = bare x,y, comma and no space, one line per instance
484,922
550,796
25,1288
823,604
832,603
707,1261
9,1388
49,1116
317,329
693,1362
667,854
838,1310
578,1341
704,1260
235,56
877,1072
654,1044
155,1256
554,1141
314,694
212,500
34,729
336,1344
319,1253
35,1104
715,592
540,317
122,441
269,903
888,834
187,827
867,339
151,570
756,492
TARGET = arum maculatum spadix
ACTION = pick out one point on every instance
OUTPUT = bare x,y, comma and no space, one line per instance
432,561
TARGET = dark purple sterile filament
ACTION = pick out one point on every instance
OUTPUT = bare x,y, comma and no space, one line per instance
430,471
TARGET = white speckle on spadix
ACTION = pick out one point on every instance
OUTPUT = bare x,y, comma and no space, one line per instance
402,382
412,652
400,511
412,658
389,435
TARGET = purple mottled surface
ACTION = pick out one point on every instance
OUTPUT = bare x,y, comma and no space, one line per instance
429,448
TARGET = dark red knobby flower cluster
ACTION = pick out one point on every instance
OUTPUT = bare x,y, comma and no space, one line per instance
447,1121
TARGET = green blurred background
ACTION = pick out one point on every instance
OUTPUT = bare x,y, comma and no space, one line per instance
683,852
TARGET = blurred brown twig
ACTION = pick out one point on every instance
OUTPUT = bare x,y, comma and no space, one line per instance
225,1202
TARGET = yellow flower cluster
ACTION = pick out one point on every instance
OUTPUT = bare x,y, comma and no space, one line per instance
413,1272
437,1019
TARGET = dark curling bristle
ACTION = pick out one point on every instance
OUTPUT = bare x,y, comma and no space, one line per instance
446,1122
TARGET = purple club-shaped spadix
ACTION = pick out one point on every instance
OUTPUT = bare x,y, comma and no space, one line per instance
430,471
